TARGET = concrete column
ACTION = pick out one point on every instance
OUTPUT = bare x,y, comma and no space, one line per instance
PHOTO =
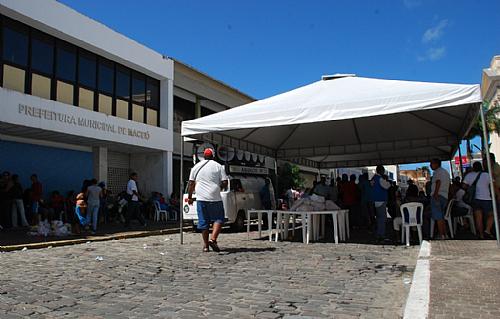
168,173
100,167
166,104
197,108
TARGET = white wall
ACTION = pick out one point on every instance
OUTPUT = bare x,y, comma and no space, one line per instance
154,171
14,107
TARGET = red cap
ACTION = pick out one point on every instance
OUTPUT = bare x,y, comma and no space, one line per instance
208,152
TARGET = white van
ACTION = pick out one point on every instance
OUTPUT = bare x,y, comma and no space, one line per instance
242,194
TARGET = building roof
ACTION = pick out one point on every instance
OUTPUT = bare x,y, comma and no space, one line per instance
231,88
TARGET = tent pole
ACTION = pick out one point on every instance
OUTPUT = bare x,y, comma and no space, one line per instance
181,192
452,170
490,172
276,195
460,157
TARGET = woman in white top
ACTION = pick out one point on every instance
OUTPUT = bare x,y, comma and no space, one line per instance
482,203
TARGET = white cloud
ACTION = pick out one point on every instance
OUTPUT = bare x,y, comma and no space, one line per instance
410,4
433,54
435,33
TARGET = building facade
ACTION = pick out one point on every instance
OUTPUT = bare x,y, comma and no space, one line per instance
197,94
490,89
80,100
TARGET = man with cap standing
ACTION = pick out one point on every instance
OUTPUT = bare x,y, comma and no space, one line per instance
207,179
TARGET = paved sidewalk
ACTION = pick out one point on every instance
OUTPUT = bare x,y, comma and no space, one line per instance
155,277
465,279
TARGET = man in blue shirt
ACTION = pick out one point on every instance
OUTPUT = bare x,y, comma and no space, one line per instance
380,195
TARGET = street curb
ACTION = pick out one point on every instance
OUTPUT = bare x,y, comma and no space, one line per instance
58,243
417,304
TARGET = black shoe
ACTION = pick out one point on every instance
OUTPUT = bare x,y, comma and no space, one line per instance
214,246
206,250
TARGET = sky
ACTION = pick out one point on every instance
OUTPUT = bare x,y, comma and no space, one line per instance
264,47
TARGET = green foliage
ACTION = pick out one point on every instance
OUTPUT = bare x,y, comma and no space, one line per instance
492,118
289,176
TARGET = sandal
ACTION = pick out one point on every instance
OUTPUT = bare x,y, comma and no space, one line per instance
488,235
214,246
206,250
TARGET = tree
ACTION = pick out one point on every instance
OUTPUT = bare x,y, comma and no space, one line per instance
492,119
289,176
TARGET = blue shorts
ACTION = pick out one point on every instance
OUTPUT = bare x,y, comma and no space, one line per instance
209,212
486,206
438,208
35,206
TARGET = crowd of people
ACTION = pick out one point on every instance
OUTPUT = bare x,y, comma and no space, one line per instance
371,200
94,204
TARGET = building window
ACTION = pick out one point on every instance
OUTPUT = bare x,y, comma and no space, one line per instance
87,69
183,110
105,104
206,112
42,53
122,109
152,101
137,113
65,92
86,98
106,76
13,78
15,43
153,93
40,86
152,117
122,83
139,88
36,63
66,62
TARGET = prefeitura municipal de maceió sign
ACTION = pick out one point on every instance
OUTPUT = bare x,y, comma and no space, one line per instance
81,121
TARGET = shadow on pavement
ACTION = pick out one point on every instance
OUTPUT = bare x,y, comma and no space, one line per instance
229,251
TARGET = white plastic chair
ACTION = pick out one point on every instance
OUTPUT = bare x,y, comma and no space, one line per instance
469,216
159,211
447,217
413,219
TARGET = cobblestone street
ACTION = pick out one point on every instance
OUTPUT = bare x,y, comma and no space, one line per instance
465,277
156,277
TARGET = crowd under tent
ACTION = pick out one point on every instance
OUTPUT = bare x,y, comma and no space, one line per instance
348,121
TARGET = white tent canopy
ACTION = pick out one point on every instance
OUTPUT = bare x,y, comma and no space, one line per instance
344,121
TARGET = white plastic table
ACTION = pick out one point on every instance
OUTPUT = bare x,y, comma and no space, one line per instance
259,213
314,222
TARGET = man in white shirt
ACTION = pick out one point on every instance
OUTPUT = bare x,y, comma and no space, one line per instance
482,202
207,178
133,205
439,195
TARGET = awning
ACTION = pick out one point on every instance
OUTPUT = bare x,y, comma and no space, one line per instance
349,121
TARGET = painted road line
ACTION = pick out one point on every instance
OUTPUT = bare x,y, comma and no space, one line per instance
417,304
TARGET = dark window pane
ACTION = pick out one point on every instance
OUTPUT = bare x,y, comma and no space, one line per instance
139,88
153,93
15,46
42,53
122,83
206,112
86,69
66,63
106,77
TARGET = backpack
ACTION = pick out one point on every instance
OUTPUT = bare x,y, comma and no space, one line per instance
470,193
